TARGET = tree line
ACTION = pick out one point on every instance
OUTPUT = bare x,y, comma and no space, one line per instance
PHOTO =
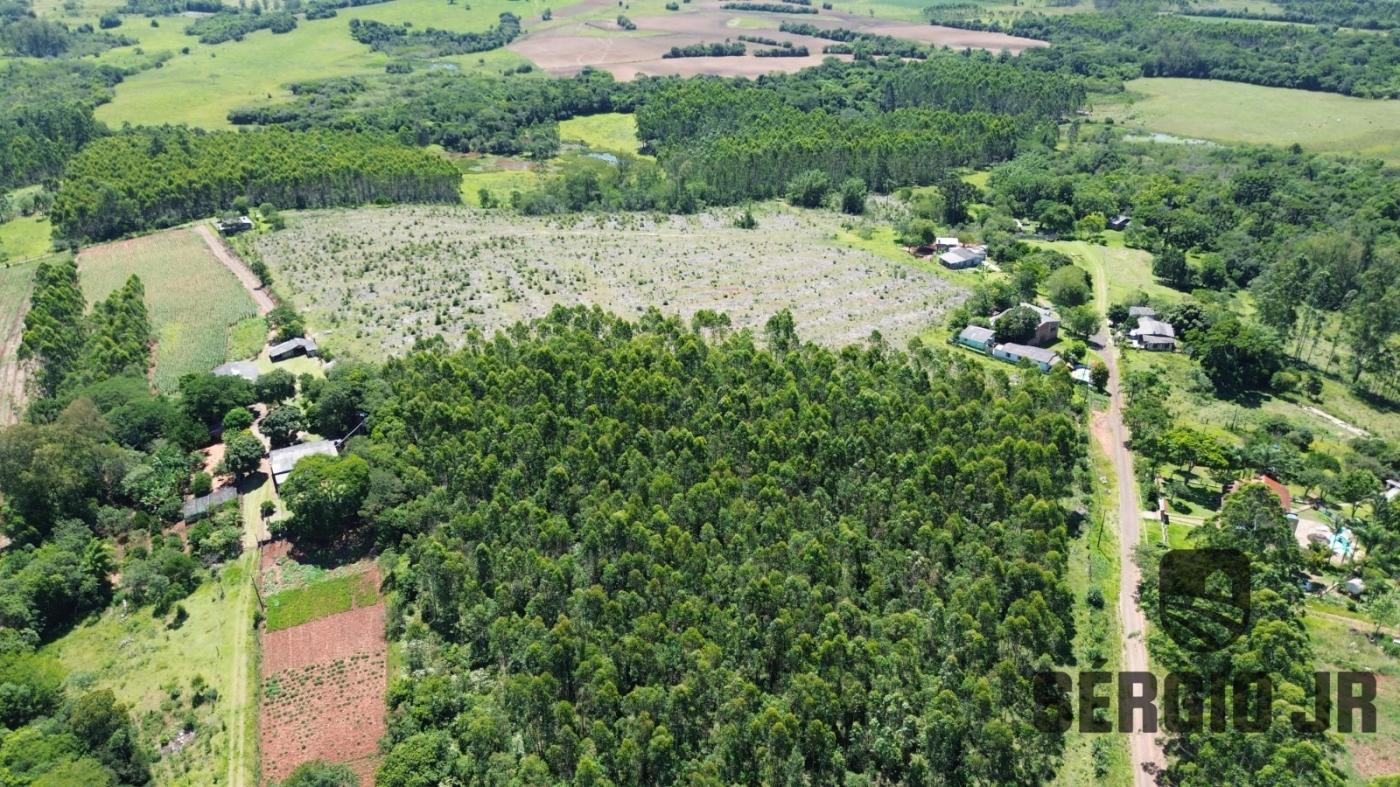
431,42
233,25
157,177
1131,42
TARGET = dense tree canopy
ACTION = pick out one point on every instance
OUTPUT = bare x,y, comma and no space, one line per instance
159,177
666,558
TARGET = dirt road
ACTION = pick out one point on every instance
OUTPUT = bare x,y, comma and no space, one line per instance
12,371
1144,750
232,262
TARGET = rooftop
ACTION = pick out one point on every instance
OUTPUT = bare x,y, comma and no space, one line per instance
977,333
1147,326
1037,354
245,369
203,505
291,345
284,459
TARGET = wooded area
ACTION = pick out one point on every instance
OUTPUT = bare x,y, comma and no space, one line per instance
159,177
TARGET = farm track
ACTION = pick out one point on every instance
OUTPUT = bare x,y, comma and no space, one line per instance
239,268
12,375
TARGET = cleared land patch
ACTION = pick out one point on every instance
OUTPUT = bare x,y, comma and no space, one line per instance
374,281
323,685
568,46
1235,112
191,296
328,596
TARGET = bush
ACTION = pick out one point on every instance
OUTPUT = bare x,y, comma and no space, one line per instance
1068,286
237,419
201,484
853,194
809,189
110,20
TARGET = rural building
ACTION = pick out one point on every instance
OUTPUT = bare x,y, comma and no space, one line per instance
1153,334
978,338
1047,331
245,369
234,226
1015,353
1354,587
200,507
944,244
1081,374
284,459
1392,489
1280,491
963,257
1135,312
1119,222
292,347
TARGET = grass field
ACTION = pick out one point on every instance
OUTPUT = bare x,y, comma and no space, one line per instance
24,237
1127,271
191,297
1093,563
149,664
426,271
319,599
1339,645
1235,112
199,88
246,338
611,131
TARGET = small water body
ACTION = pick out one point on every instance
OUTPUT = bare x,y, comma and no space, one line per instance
1166,139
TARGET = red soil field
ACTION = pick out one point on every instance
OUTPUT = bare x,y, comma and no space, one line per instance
323,685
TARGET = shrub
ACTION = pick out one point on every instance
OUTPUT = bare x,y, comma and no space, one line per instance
809,189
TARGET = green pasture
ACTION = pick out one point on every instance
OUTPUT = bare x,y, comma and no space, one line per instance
199,88
24,238
613,131
1236,112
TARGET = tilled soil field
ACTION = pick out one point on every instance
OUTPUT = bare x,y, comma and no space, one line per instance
322,697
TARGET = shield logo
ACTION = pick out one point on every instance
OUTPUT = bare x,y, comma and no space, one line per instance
1203,596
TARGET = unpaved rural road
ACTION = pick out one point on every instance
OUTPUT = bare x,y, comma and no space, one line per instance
232,262
1146,754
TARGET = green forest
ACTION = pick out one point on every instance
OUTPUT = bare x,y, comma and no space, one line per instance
684,558
160,177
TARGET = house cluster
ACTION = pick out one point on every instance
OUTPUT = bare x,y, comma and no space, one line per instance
1047,332
952,253
1149,332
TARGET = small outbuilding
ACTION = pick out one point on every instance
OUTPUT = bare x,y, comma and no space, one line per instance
284,459
291,348
234,226
946,243
245,369
963,257
1134,312
1354,587
1015,353
978,338
1119,222
200,507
